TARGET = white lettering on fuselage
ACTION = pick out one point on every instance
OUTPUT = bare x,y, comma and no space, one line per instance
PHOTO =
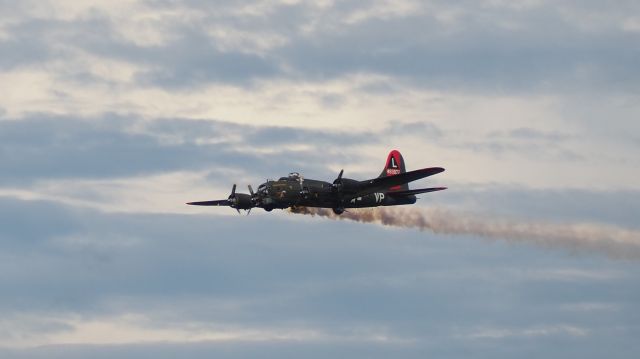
379,197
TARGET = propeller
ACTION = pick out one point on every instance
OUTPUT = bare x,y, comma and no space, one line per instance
234,199
337,188
337,183
254,199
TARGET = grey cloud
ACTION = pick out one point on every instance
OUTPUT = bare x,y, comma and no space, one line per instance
321,349
21,52
194,130
273,135
182,270
26,43
193,60
605,206
543,50
333,100
424,129
32,224
502,148
287,273
522,141
526,133
474,54
282,349
436,346
45,147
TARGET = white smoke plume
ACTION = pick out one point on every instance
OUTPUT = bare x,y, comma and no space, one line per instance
612,241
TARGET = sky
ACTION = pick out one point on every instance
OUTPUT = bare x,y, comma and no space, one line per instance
114,114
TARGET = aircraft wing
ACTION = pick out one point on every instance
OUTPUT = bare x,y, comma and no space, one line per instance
222,202
416,191
381,184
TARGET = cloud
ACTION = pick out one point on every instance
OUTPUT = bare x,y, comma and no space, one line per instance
112,115
192,61
422,129
550,204
33,226
494,333
611,241
146,256
525,133
246,278
318,350
46,147
197,44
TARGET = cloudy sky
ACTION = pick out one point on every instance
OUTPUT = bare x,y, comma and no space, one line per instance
113,114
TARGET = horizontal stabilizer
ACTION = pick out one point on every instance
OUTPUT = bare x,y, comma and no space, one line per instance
416,191
222,202
382,183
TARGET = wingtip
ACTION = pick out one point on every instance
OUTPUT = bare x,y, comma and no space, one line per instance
433,170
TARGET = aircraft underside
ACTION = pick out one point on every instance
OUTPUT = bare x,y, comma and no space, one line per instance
370,200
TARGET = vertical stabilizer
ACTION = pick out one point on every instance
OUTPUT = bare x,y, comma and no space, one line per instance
395,166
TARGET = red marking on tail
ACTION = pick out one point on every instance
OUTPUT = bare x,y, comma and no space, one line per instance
394,166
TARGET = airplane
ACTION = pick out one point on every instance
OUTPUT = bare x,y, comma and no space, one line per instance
391,188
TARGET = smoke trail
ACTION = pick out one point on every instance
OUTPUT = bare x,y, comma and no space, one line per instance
613,241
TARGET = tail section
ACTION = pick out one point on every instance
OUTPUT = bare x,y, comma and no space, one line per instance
395,166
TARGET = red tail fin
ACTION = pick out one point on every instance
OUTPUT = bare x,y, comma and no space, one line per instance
394,166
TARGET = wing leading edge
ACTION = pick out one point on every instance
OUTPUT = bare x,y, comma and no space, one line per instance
222,202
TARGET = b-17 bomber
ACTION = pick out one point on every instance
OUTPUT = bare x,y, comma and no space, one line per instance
391,188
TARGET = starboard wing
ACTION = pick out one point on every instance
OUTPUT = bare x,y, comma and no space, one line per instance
222,202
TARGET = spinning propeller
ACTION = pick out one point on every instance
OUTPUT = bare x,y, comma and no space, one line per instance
337,183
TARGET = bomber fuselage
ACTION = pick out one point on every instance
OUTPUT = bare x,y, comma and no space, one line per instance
390,188
295,190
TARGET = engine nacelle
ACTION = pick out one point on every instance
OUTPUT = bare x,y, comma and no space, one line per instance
347,185
243,201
